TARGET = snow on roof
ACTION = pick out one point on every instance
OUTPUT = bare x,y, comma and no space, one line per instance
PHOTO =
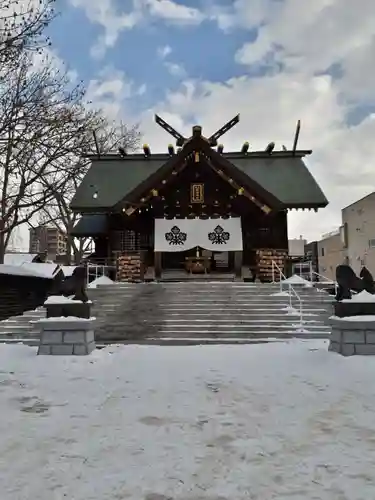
296,280
361,297
103,280
68,270
44,270
16,259
17,271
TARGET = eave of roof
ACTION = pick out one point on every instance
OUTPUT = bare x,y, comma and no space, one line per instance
277,177
227,154
91,225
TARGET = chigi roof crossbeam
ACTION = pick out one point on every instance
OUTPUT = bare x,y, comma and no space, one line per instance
212,140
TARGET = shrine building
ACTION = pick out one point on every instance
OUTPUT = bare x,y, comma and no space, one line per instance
194,209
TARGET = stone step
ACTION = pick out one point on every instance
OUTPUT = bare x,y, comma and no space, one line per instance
165,341
254,325
233,310
220,335
250,315
240,335
115,335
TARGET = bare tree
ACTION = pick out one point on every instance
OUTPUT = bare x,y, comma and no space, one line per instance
22,26
98,134
41,123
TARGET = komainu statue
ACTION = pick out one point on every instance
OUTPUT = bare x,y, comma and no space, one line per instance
76,284
368,280
348,281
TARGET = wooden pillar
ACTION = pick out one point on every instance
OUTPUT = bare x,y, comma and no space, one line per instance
238,264
157,265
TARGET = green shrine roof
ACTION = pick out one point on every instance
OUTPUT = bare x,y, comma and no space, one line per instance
282,174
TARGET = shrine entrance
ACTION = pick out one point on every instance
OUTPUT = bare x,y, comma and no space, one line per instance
198,246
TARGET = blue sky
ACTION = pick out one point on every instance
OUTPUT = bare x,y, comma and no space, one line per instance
273,61
203,51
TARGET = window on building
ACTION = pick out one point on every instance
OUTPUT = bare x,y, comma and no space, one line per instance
322,251
371,243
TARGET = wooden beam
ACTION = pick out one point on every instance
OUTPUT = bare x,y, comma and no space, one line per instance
265,208
296,137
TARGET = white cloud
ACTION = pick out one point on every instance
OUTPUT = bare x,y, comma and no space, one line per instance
164,52
175,69
109,92
113,20
309,37
173,12
106,14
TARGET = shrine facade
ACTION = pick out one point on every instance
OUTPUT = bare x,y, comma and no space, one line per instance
197,209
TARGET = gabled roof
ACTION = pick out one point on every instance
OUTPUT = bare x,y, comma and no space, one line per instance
201,145
286,177
281,179
112,178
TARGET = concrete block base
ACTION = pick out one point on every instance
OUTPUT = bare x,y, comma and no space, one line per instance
66,338
350,337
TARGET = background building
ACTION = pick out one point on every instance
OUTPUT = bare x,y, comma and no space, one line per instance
331,253
354,242
47,239
358,230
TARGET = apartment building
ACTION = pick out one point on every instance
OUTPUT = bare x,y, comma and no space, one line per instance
358,221
331,253
47,239
354,242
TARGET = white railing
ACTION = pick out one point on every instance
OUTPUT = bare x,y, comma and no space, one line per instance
95,271
291,291
300,269
328,280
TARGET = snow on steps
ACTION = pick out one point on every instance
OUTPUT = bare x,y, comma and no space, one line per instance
191,313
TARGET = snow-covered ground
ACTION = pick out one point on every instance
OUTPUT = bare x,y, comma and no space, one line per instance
277,421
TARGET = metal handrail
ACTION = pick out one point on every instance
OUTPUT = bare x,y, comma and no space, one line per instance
334,282
281,274
97,268
291,289
324,277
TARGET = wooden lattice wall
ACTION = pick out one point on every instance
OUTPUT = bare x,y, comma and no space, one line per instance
265,256
129,267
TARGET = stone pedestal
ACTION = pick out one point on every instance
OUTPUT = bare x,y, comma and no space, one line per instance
68,328
66,336
73,308
349,337
352,307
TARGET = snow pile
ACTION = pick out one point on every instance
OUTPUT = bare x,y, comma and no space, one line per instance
104,427
361,297
355,318
296,280
103,280
291,311
64,319
280,294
